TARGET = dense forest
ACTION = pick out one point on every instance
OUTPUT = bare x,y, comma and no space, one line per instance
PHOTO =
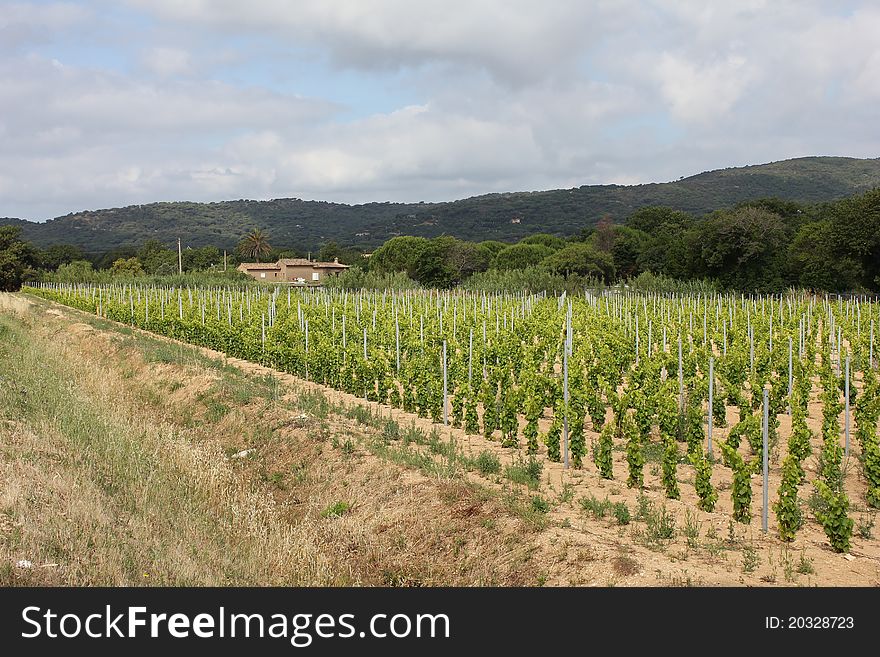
764,245
507,217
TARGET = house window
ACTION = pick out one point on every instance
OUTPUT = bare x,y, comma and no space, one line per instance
262,274
315,276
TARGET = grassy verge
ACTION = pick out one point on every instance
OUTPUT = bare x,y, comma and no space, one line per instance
96,494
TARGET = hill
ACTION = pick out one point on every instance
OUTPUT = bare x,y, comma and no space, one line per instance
292,222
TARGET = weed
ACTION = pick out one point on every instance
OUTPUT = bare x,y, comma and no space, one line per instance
621,513
645,508
750,559
660,525
567,494
276,479
866,524
691,528
527,473
805,564
391,430
487,463
336,509
598,509
540,505
348,447
787,564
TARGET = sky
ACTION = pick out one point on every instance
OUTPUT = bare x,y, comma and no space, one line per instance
113,103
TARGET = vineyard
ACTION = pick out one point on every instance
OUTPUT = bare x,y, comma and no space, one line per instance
723,393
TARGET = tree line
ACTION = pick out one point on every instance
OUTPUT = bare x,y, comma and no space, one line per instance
765,245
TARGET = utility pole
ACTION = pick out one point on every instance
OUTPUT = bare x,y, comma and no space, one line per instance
179,257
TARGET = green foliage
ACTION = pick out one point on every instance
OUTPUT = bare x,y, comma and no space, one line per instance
487,463
520,256
603,452
741,491
621,513
552,440
703,481
539,504
582,259
255,245
837,524
127,267
871,470
336,509
787,510
670,465
660,525
595,507
527,473
13,259
634,457
471,418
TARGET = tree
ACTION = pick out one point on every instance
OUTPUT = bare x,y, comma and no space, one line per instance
255,245
493,246
544,239
604,236
433,268
106,261
398,254
60,254
15,259
855,225
814,264
629,244
202,259
465,259
127,267
745,249
78,271
656,218
583,259
520,256
155,258
347,255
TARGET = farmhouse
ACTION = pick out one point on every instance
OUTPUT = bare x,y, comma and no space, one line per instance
297,271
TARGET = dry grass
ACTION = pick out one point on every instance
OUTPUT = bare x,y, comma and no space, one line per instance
97,494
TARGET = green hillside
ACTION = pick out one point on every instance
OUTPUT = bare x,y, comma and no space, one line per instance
510,216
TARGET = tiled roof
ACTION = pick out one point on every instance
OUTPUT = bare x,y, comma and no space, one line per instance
260,265
302,262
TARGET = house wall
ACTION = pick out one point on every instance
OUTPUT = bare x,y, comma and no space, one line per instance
271,274
292,272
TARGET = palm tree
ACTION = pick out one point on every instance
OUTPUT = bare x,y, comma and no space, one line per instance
254,245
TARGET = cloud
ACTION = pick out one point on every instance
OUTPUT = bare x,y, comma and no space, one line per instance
701,92
168,62
392,100
23,23
516,41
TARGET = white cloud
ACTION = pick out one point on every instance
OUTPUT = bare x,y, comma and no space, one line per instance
22,23
102,108
166,61
700,93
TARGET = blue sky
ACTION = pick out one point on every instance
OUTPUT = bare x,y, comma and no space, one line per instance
106,104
